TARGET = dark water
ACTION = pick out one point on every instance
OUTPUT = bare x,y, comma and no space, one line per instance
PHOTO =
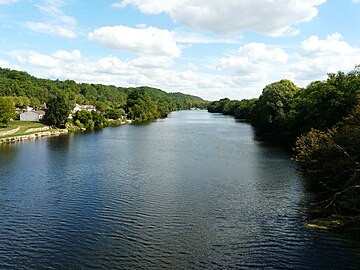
193,191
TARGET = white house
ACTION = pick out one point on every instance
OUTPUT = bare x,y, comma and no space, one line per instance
32,116
88,108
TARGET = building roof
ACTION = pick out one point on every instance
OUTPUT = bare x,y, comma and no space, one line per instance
36,112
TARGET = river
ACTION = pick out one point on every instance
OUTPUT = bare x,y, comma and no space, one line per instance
193,191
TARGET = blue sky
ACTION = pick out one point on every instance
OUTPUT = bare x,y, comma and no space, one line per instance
209,48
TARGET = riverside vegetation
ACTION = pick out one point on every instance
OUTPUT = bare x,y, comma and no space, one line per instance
113,104
322,123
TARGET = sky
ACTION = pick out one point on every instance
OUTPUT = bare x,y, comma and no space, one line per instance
208,48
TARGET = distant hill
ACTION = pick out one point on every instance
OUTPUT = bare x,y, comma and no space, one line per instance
21,84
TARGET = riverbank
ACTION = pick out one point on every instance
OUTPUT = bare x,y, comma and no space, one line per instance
19,131
33,135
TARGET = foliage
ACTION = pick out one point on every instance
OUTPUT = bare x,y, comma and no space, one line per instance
241,109
218,106
58,110
275,107
283,107
322,104
98,119
30,91
89,120
140,107
115,113
245,108
7,111
83,119
332,158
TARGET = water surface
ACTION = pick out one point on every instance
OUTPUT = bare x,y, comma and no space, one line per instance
193,191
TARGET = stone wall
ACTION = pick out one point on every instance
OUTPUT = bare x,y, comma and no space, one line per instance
37,129
9,132
33,136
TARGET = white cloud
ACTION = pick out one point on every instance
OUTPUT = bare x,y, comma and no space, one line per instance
321,56
66,55
4,2
252,67
334,43
152,7
256,59
51,29
152,62
148,41
36,59
225,17
56,23
54,9
356,1
257,64
4,64
197,38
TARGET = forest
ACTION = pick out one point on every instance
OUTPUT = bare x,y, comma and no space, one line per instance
18,89
321,123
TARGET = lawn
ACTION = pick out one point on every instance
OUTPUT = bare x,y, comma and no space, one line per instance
24,126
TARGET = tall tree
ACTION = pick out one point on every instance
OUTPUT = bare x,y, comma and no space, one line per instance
7,111
276,105
58,111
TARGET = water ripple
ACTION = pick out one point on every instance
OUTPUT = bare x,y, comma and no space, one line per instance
183,193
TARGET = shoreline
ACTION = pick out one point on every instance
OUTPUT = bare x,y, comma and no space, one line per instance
46,132
34,136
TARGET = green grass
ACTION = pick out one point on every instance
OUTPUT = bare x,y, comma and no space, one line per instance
24,126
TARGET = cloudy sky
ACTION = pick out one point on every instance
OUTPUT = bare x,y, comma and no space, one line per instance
209,48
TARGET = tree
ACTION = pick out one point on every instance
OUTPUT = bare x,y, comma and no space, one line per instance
322,104
83,119
245,108
140,107
115,113
275,106
7,111
332,161
99,120
58,110
218,106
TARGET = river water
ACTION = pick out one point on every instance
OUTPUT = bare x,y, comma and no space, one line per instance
193,191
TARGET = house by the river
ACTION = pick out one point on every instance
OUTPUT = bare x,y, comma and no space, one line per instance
32,116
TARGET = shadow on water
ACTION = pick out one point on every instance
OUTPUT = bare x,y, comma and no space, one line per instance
285,140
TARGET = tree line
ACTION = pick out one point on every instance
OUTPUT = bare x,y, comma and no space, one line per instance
19,89
322,121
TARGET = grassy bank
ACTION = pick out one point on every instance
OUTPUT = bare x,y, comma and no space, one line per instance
24,127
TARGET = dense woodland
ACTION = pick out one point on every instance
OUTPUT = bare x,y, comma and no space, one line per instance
323,123
142,104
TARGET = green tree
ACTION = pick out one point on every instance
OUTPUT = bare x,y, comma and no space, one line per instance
218,106
244,110
84,119
230,107
58,110
140,107
275,107
98,119
115,113
322,104
332,161
7,111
